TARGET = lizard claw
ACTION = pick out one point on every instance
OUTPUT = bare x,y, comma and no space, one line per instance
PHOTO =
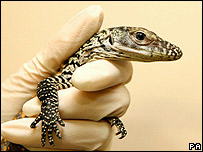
119,125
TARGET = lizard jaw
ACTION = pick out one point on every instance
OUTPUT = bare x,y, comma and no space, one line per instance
148,54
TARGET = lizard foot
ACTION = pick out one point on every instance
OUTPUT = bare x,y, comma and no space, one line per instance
49,124
119,125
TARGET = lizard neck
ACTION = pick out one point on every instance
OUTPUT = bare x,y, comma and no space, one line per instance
88,52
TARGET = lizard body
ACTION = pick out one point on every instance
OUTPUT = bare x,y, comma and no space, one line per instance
117,43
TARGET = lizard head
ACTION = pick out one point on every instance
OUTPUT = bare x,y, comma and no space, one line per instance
140,44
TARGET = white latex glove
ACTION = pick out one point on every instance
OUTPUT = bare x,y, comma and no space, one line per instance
98,92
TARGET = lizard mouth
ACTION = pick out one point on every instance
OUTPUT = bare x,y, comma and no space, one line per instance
151,53
131,54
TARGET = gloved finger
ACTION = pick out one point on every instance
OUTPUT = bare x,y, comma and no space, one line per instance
101,74
19,87
70,38
77,104
76,135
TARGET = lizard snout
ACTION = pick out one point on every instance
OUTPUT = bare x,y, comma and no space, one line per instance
173,52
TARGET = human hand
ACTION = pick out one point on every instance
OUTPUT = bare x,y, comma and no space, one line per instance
98,91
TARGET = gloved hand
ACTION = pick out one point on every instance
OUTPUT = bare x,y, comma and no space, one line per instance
98,92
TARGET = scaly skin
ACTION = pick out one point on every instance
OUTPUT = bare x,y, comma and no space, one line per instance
118,43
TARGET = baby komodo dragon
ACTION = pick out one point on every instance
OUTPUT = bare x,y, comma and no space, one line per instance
117,43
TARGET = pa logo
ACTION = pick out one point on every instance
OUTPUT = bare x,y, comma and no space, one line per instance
196,146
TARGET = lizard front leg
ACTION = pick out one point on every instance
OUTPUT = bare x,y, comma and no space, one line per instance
47,94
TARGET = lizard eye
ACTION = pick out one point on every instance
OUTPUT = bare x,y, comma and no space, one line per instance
140,36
